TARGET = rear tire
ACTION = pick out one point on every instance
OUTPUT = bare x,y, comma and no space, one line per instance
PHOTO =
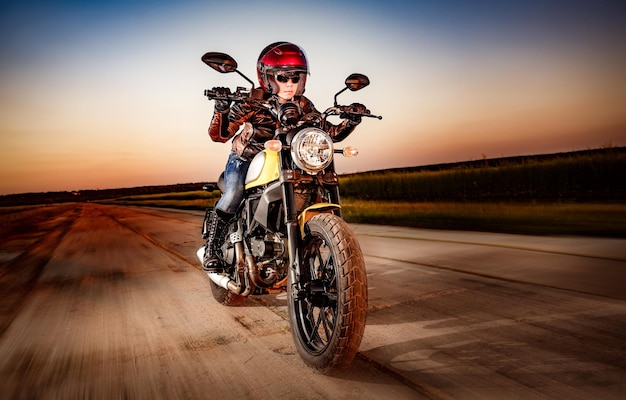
222,295
328,307
225,297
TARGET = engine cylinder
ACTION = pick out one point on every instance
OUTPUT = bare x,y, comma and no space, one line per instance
263,248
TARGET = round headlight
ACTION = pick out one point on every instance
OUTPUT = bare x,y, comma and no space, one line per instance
312,150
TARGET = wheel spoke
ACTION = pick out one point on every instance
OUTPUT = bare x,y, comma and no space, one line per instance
316,330
328,322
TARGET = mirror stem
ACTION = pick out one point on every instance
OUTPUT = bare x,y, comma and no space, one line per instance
245,77
338,93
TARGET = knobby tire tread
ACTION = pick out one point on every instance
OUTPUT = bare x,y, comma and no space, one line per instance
351,266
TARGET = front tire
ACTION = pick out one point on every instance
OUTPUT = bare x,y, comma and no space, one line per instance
328,307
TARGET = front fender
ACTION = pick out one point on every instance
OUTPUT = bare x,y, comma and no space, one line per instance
313,210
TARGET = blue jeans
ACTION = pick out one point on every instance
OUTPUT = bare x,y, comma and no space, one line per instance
235,179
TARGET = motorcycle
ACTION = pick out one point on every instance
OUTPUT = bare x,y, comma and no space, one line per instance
288,234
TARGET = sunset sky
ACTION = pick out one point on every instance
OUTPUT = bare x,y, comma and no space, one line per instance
107,94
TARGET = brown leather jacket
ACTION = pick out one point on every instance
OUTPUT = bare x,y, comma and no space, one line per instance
260,125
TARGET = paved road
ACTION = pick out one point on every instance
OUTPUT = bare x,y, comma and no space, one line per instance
108,302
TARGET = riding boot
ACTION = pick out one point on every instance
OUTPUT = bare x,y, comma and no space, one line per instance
216,229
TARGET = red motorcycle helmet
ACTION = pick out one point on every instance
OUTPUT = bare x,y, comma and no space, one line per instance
281,56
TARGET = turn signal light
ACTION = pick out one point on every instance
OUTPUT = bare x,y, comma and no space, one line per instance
273,145
350,151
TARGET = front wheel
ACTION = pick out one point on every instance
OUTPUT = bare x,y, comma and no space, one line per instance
328,306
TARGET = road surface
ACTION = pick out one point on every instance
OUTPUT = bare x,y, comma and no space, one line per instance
109,302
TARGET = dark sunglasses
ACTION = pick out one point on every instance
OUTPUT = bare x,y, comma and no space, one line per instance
285,78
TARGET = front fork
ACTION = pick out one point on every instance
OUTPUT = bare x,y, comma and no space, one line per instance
333,192
293,231
291,218
294,235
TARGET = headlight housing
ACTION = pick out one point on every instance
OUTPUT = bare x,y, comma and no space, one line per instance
312,150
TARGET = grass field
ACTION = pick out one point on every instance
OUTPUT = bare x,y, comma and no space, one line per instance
584,177
580,193
197,200
588,219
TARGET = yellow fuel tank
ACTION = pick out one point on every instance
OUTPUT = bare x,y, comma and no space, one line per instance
263,169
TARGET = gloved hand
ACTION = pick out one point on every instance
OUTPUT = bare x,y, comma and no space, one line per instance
355,108
312,119
222,105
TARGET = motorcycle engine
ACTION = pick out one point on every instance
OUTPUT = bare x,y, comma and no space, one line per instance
266,247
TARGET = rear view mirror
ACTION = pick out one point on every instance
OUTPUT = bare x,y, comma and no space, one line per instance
354,82
220,62
357,82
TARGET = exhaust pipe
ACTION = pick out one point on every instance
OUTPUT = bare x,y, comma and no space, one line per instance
225,282
255,276
219,279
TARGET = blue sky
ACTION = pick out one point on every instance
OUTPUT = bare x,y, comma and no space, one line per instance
101,94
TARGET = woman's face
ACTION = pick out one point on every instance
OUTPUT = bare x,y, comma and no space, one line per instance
287,88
